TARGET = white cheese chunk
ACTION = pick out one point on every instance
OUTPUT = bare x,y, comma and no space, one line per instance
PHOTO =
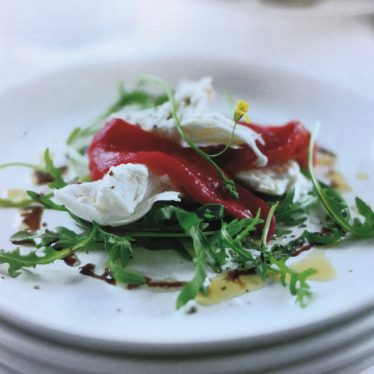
203,127
276,179
125,194
191,97
215,129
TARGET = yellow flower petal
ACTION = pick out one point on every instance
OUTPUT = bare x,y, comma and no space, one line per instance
241,110
241,107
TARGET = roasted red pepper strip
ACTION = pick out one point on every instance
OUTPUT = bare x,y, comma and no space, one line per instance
281,143
122,143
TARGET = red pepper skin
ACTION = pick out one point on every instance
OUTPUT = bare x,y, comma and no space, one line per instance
281,143
121,143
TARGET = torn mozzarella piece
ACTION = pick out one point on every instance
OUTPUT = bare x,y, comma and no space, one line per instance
124,195
191,97
194,95
215,129
276,179
201,125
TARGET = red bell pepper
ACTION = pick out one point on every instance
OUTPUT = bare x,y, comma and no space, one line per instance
120,143
281,143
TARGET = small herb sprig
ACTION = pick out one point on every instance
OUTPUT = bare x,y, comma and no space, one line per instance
296,281
139,97
79,138
240,111
337,208
49,168
291,212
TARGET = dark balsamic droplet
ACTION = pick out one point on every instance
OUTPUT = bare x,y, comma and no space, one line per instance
71,260
302,249
89,270
31,217
233,275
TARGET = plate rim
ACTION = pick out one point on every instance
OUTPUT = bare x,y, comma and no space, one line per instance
355,311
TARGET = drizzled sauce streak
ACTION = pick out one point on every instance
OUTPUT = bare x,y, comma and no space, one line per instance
164,284
157,284
233,275
326,151
89,270
302,249
31,217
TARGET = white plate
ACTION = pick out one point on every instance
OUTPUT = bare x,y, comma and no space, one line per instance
41,114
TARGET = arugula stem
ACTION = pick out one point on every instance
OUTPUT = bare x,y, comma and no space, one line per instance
228,144
89,238
330,211
22,164
9,203
267,225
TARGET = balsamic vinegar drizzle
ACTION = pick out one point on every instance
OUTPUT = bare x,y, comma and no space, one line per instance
106,276
31,217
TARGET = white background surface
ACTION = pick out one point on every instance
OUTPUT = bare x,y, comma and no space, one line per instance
332,40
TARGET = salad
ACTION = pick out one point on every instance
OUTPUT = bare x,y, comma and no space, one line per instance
160,169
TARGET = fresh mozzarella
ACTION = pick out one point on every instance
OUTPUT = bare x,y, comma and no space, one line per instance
203,127
125,194
215,128
191,97
276,179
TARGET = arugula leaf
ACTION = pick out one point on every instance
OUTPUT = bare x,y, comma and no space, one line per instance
296,281
363,228
126,276
190,223
18,261
192,288
293,213
337,208
55,246
45,200
139,97
332,235
210,212
58,180
22,237
62,238
119,249
233,234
